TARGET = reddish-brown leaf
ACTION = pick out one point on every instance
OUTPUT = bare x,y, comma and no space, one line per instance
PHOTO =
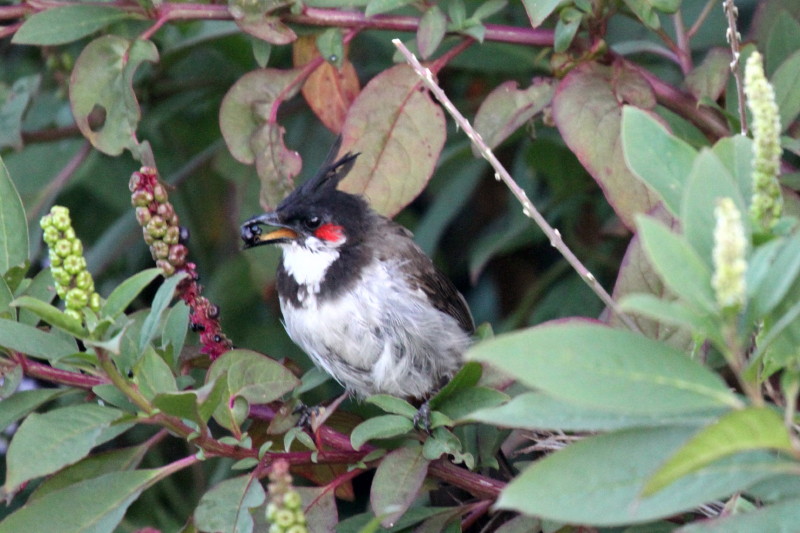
399,131
587,109
329,91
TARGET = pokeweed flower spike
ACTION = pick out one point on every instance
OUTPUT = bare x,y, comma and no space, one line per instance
285,507
729,251
164,236
74,284
766,205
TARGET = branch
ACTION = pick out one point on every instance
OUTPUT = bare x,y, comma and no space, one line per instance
502,174
54,375
733,37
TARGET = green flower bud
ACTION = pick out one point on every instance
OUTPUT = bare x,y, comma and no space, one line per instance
284,517
292,500
167,268
297,528
73,313
76,298
143,215
73,264
46,221
94,302
272,508
156,227
84,281
55,259
69,233
148,239
159,250
766,204
159,193
141,198
61,291
300,517
51,235
729,251
275,528
173,235
61,219
63,247
77,247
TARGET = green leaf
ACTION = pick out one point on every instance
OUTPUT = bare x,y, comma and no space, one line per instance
176,327
5,299
397,483
537,411
122,296
41,287
21,403
34,342
674,313
780,516
152,375
539,10
507,108
393,405
52,315
13,225
103,79
431,30
331,46
709,79
93,506
772,272
587,109
708,182
786,81
13,109
595,366
161,301
743,430
679,266
736,153
225,508
182,404
655,156
61,25
465,401
567,27
92,467
613,469
45,443
468,376
379,427
390,119
376,7
644,10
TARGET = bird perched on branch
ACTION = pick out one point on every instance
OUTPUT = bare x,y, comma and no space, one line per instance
358,295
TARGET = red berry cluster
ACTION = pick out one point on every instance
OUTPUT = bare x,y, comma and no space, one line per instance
162,232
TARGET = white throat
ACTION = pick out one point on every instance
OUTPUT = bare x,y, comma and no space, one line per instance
308,264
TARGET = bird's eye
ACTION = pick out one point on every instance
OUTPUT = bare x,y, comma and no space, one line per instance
312,222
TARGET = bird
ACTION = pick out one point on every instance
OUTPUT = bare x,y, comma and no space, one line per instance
356,292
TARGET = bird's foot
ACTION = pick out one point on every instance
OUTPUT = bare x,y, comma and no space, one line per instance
422,420
312,417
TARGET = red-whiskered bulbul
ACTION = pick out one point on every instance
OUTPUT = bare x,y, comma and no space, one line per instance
358,295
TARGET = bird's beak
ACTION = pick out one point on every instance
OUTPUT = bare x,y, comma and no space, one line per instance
252,236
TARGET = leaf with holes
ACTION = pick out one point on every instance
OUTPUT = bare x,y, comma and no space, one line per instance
248,104
399,131
102,82
328,91
276,165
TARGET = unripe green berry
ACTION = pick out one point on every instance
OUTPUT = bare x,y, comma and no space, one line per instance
159,193
275,528
61,219
55,259
141,198
143,215
61,290
148,239
300,516
94,302
156,227
164,265
83,280
159,250
73,264
173,235
292,500
272,508
46,221
69,233
77,298
63,247
284,517
51,235
297,528
73,313
77,247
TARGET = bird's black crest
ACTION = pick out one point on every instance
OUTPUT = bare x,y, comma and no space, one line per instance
331,172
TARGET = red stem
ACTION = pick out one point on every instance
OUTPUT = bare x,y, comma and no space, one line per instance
55,375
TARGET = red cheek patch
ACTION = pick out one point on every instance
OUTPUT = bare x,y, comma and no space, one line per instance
330,232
